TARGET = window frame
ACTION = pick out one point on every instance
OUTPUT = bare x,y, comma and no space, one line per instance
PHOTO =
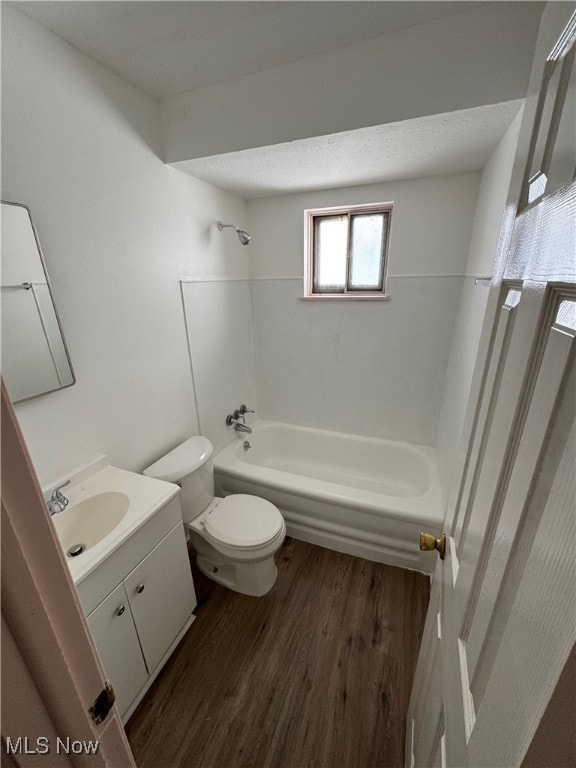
349,210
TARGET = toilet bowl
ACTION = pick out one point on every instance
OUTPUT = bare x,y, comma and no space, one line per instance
235,538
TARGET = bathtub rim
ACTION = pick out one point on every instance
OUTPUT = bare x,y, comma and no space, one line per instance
425,509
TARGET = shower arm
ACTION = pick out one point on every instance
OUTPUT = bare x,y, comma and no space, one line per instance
243,236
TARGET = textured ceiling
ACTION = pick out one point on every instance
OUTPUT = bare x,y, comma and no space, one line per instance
166,48
170,47
427,146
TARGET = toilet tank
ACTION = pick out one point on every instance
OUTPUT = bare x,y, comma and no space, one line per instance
191,466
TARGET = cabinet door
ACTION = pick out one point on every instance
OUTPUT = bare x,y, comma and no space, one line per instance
161,595
112,628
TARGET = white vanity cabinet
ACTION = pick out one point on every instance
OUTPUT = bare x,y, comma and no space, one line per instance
138,604
161,595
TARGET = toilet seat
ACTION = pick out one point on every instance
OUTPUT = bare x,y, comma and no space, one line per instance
243,521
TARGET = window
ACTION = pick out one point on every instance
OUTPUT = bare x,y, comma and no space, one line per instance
551,158
346,251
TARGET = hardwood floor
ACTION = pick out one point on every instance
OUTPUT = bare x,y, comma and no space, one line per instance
315,674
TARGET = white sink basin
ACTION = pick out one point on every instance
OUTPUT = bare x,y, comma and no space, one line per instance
86,523
106,507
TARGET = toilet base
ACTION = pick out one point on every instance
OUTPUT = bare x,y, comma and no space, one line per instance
254,579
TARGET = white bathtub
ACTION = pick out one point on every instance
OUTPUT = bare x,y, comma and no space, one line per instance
364,496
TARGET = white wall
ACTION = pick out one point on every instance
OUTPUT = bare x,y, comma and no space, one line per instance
447,64
220,335
375,368
492,195
118,229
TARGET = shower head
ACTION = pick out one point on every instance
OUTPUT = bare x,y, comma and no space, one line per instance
243,236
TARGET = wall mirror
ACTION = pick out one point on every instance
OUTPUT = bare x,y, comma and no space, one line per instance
35,358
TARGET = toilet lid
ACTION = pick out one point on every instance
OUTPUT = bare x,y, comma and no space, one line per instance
241,520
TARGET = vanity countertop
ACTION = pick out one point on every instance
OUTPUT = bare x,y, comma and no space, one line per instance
144,497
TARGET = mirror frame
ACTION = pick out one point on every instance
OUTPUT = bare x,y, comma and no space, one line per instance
48,283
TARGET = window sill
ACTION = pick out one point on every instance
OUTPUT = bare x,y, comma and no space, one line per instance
346,297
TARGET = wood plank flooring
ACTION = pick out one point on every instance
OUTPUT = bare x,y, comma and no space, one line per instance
316,674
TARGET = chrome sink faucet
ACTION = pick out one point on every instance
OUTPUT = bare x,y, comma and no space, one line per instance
58,502
238,420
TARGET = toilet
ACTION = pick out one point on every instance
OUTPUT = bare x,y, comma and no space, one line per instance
235,538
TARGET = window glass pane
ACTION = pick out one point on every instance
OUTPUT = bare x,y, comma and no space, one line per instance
546,118
330,246
366,251
566,316
563,162
537,186
512,298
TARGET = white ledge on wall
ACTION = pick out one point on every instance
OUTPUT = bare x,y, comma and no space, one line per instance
345,297
390,277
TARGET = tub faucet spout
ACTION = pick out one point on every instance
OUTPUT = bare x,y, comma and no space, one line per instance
239,427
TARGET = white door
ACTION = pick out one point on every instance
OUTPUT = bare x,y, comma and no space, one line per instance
53,684
501,628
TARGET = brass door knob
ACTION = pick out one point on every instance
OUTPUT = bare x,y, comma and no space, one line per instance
428,542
